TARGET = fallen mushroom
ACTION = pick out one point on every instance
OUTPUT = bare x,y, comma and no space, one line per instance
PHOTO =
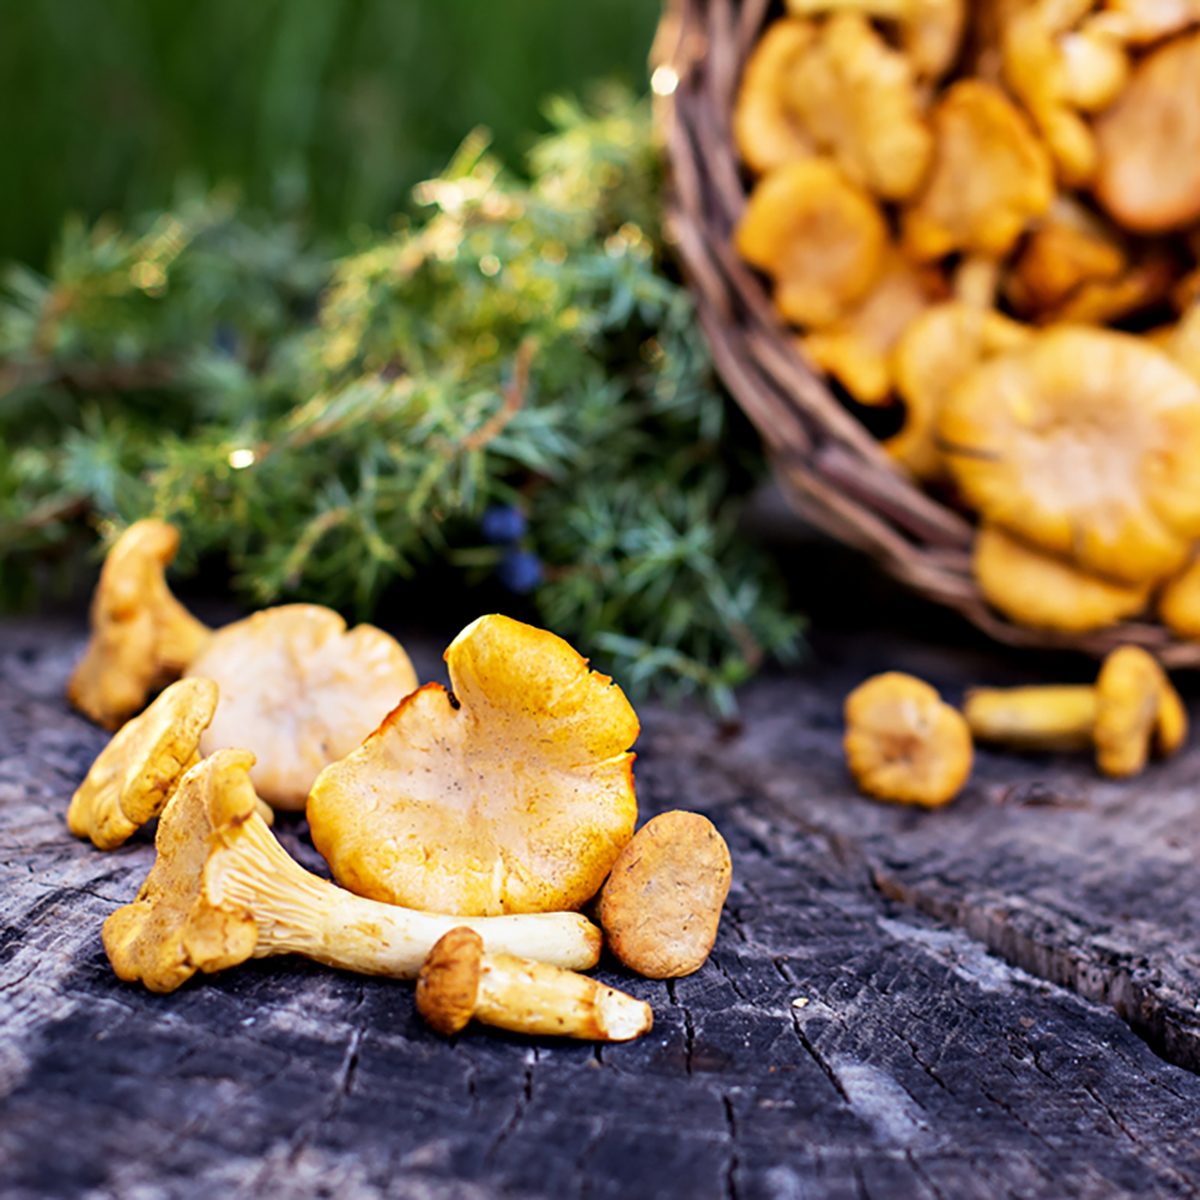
1044,592
138,771
766,127
859,102
460,981
1131,706
511,793
990,177
930,30
661,905
857,349
301,691
222,890
1148,177
904,744
934,354
820,239
142,637
1084,443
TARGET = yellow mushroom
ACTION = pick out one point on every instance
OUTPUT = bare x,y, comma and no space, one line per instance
766,128
1148,177
990,177
818,237
461,982
1141,22
1085,443
860,104
1044,592
904,744
1130,708
300,690
857,349
222,890
512,793
142,637
935,353
1179,602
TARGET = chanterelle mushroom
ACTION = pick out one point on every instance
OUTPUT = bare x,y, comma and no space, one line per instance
223,890
930,30
460,981
1086,443
859,102
766,126
138,771
142,637
990,177
1179,602
300,690
1131,705
512,793
820,238
1039,590
904,744
1143,21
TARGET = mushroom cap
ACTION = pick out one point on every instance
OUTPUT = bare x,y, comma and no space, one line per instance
766,128
1036,589
513,793
860,103
1149,142
1085,443
1100,301
448,985
1140,22
857,350
1179,602
301,691
820,238
172,930
1181,341
137,772
990,177
142,637
1129,698
935,352
904,744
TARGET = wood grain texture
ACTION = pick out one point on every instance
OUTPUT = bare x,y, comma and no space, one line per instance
852,1035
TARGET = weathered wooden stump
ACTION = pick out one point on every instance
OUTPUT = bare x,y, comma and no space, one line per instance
996,1000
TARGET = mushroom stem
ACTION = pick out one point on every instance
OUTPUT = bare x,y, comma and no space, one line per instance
296,912
1056,717
460,981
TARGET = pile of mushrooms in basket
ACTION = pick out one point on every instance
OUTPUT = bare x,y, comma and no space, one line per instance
464,828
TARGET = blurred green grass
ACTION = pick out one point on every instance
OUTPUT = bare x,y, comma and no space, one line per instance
333,106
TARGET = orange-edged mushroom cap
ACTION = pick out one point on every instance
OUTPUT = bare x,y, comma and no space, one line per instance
300,690
1039,590
904,744
820,238
142,637
860,103
930,30
857,350
1085,443
172,930
990,177
138,771
766,127
937,350
512,793
1149,141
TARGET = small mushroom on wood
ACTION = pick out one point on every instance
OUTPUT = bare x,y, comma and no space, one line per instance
460,981
138,771
1131,707
904,744
222,890
142,637
300,690
661,905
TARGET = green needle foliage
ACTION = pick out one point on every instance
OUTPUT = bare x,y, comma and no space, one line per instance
331,426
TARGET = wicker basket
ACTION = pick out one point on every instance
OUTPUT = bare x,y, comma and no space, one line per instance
834,472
